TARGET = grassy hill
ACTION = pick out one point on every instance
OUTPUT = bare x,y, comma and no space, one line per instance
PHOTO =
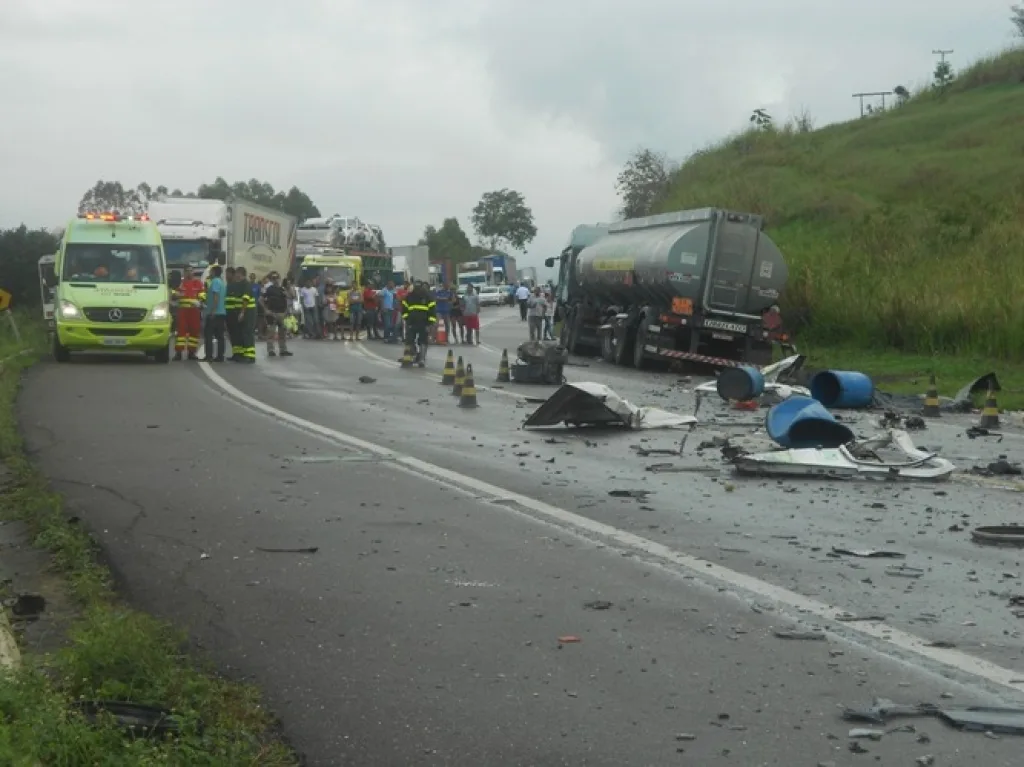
903,230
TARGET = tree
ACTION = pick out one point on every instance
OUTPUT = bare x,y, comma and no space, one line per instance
20,250
448,242
1018,18
902,95
502,217
943,75
113,196
108,196
761,120
643,182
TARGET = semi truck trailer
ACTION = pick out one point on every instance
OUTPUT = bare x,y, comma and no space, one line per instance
697,286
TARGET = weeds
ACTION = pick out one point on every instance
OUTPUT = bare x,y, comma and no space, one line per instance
903,230
112,653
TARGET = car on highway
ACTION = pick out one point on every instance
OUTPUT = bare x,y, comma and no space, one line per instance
491,295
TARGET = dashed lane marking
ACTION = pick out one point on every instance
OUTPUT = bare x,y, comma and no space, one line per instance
888,639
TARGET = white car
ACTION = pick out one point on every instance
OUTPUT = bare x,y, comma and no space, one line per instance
491,295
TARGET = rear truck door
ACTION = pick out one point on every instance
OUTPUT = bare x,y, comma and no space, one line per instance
733,259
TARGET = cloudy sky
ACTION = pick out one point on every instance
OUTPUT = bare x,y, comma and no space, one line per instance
404,112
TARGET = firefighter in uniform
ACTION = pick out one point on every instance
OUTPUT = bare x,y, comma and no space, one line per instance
247,320
233,307
190,294
420,316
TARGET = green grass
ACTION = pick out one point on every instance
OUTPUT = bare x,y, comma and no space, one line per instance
903,231
112,652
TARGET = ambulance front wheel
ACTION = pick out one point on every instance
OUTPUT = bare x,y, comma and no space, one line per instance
61,353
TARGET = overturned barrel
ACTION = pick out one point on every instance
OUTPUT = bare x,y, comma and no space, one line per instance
802,422
842,389
740,384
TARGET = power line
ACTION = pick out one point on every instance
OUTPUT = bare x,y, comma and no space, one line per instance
942,54
861,96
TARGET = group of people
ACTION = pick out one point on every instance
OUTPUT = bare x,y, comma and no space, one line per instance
537,308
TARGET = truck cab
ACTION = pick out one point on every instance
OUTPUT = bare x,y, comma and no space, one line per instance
110,288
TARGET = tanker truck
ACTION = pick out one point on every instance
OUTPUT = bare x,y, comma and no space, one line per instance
699,286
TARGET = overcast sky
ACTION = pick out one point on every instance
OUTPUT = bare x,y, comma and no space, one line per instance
404,112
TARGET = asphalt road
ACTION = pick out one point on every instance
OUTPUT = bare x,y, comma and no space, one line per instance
455,550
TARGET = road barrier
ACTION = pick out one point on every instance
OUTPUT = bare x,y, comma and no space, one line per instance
467,397
448,375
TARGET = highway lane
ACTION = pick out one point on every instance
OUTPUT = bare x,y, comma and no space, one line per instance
373,665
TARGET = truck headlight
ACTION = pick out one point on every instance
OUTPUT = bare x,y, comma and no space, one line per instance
160,312
69,311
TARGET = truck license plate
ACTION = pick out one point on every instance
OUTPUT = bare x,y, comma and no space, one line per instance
115,341
732,327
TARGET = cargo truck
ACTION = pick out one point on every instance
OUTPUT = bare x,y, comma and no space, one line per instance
528,276
442,272
476,273
411,263
696,286
198,233
503,269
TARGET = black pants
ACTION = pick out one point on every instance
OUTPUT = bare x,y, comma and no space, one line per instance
214,331
418,334
522,308
231,325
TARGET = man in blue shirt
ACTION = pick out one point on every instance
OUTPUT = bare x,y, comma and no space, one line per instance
387,310
443,308
216,317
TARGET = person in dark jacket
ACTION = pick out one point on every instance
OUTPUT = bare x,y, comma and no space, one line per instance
419,311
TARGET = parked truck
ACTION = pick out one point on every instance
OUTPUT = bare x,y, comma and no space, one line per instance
476,273
698,285
528,276
198,233
503,269
441,272
411,263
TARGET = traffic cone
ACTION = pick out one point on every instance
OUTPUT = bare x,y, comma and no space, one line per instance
503,373
407,356
989,413
460,378
931,400
440,334
467,397
448,375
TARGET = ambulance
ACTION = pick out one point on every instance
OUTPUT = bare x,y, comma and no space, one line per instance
111,288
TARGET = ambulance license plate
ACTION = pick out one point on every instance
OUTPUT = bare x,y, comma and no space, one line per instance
115,341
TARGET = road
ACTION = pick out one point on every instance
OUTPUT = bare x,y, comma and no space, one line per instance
459,558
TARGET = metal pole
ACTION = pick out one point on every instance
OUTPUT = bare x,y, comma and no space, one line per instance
14,326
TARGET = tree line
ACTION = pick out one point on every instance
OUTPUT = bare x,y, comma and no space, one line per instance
500,220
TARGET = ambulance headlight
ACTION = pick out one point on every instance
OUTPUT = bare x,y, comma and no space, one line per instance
69,311
161,311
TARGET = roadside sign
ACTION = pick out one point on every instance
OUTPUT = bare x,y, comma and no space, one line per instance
5,300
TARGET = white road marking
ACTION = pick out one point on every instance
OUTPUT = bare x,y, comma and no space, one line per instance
657,554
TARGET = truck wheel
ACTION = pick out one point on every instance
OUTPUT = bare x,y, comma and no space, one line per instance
624,347
60,352
608,347
640,361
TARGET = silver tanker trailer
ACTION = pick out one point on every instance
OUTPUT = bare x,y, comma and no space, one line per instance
694,286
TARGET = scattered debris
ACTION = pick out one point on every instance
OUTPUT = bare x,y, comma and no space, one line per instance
999,534
1000,468
367,380
139,720
941,644
861,732
598,604
803,422
27,606
904,571
809,636
307,550
858,459
1007,721
978,431
593,404
853,618
868,553
569,639
640,495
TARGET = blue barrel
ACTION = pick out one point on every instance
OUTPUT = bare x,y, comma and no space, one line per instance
740,384
801,422
843,389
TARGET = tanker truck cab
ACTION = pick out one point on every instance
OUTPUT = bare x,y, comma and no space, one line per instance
111,291
699,286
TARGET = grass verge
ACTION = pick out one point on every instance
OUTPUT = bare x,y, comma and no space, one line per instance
112,652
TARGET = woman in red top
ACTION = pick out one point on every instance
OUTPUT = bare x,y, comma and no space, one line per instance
370,313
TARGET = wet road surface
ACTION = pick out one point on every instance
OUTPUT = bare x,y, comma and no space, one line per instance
454,550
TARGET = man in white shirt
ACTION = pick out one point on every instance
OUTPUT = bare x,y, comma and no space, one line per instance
308,295
523,297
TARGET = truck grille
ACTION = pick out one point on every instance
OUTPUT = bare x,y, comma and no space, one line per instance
103,314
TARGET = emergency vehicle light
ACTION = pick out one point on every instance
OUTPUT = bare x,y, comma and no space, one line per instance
113,217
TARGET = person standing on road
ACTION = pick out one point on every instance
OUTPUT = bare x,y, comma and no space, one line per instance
190,316
309,321
401,294
216,314
443,300
458,319
370,312
537,309
471,315
419,310
523,297
355,311
275,308
387,311
237,286
549,298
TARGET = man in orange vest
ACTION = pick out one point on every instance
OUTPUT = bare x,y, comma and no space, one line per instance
190,316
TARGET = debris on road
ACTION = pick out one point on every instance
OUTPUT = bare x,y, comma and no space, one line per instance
863,732
598,604
855,618
1004,721
640,495
998,468
139,720
807,636
868,553
27,607
306,550
593,404
803,422
367,380
843,389
977,431
569,639
771,383
863,459
1012,535
539,362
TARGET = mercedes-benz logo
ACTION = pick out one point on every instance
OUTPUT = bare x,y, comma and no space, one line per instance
115,315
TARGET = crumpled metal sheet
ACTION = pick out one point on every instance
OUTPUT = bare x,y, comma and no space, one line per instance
774,374
888,456
961,403
594,404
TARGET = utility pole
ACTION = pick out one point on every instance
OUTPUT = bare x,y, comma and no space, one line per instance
942,55
861,96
